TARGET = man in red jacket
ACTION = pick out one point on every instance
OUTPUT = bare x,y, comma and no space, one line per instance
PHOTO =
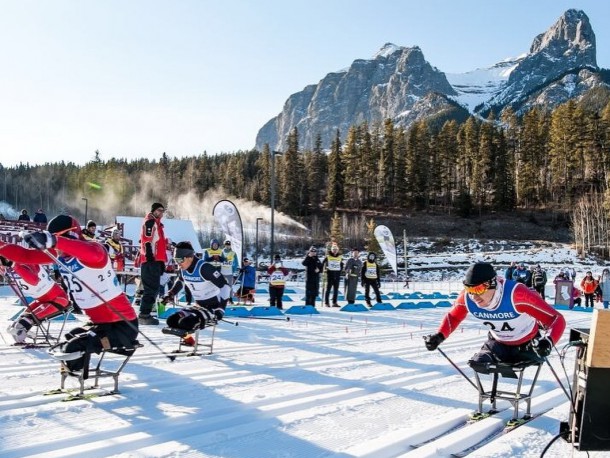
512,312
86,268
153,253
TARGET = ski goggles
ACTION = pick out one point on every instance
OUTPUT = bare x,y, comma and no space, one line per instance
478,289
179,260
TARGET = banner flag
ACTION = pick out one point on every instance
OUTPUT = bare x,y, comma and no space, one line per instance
386,241
226,215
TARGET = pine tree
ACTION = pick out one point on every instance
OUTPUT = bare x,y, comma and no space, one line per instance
372,245
336,234
351,173
335,179
292,186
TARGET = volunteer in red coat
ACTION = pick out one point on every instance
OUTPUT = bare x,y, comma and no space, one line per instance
50,300
512,312
153,255
114,321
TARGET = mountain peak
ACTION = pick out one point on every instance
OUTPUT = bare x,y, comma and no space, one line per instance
387,50
572,33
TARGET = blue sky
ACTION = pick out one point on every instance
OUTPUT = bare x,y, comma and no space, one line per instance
141,77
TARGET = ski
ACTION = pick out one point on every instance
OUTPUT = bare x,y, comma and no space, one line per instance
74,395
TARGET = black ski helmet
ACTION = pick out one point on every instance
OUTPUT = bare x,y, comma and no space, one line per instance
66,226
480,272
372,256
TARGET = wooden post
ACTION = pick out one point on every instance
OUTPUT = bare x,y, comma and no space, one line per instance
598,351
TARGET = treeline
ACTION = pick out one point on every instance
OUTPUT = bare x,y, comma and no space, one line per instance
541,160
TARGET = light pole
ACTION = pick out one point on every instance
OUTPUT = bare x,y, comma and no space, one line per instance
86,208
256,245
273,154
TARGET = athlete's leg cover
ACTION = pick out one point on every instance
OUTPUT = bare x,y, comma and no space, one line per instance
19,329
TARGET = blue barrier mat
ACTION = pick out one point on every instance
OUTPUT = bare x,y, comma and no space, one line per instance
354,308
383,306
265,311
302,310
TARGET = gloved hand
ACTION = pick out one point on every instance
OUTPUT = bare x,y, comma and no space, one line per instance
150,257
167,298
5,262
544,347
40,240
218,313
434,340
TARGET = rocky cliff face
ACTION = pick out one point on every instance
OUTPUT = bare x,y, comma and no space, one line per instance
391,85
398,83
566,48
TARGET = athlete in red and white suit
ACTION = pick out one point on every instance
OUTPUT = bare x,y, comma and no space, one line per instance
84,266
514,315
50,300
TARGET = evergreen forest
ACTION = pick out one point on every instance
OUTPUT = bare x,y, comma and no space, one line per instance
541,160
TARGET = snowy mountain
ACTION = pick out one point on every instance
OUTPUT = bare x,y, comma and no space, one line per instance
400,84
478,86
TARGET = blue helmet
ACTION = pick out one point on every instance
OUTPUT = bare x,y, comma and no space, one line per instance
214,241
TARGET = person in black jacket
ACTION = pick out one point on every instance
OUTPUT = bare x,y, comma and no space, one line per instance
371,277
313,267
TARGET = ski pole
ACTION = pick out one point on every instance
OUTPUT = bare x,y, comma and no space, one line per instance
558,380
457,368
106,303
286,318
235,323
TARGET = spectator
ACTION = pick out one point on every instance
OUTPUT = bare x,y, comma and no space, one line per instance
523,275
313,267
371,277
248,281
277,282
214,255
588,285
604,286
89,231
230,266
115,250
514,314
508,274
153,256
40,217
539,280
332,266
24,216
353,270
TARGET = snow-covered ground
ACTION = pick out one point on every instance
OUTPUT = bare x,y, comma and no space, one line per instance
334,384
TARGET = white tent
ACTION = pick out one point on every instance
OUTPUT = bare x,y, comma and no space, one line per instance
177,230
